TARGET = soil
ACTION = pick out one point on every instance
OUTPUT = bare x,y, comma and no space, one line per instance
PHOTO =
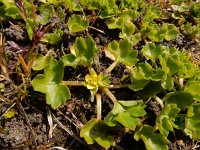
32,121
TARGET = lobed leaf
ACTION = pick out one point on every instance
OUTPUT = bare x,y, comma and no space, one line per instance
166,118
151,51
137,79
192,122
127,30
122,51
39,62
155,141
53,38
148,92
76,23
126,113
46,13
193,87
82,53
180,98
97,131
50,83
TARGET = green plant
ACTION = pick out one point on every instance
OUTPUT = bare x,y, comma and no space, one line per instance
156,72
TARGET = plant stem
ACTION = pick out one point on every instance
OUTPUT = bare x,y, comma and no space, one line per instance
23,63
181,80
117,86
109,94
98,100
159,101
73,83
110,68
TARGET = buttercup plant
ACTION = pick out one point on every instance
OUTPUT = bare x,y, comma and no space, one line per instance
155,71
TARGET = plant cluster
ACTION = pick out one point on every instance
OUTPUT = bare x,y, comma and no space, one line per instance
156,72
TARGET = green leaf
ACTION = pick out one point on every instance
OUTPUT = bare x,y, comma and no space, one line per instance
10,9
39,62
122,51
192,121
30,27
138,80
126,113
152,141
60,13
73,5
127,30
151,51
50,83
53,38
46,13
171,33
166,118
136,38
181,98
86,131
76,23
10,113
158,75
82,53
167,82
193,87
148,91
114,23
127,120
146,69
174,64
2,87
97,130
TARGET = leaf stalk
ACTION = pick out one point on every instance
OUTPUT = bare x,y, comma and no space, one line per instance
73,83
109,94
99,108
159,101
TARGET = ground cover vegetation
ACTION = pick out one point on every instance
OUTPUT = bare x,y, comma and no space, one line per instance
110,72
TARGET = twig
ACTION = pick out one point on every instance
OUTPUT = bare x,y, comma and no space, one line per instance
28,122
96,29
57,147
77,126
50,121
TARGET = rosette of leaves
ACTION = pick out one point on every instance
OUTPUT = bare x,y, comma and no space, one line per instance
126,113
97,131
82,52
50,83
152,30
125,23
143,74
151,139
172,63
94,81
